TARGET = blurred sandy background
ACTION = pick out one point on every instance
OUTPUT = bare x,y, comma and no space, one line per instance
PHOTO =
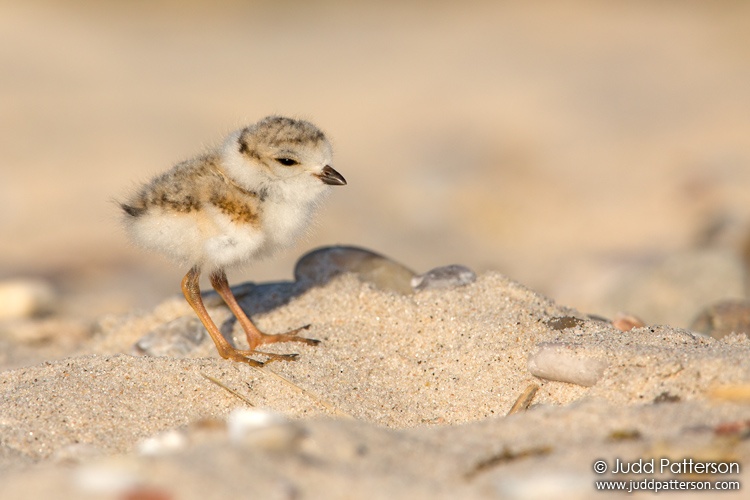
551,141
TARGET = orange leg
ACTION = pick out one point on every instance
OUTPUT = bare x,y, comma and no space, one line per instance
191,289
254,336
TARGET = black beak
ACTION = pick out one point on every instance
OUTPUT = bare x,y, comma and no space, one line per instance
330,176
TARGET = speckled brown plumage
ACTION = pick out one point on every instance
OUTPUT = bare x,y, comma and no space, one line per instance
190,185
276,132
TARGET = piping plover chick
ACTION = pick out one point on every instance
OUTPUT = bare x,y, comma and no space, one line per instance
243,201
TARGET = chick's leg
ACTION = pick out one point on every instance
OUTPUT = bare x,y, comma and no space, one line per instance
191,289
254,336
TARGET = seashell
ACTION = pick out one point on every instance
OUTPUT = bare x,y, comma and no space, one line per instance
323,264
451,276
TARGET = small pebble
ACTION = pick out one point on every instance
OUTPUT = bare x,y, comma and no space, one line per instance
626,322
737,429
666,397
566,363
175,339
141,492
723,318
451,276
564,322
163,443
321,265
263,430
23,298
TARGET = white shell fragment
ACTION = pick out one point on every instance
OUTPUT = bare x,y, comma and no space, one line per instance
262,429
175,339
321,265
451,276
566,363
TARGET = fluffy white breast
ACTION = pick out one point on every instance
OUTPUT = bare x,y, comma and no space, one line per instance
289,195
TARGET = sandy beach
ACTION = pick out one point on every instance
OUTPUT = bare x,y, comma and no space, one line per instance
406,396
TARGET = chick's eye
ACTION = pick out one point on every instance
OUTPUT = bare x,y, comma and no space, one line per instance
287,162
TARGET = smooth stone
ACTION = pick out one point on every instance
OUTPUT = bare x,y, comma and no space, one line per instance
566,363
451,276
323,264
23,298
176,338
722,318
